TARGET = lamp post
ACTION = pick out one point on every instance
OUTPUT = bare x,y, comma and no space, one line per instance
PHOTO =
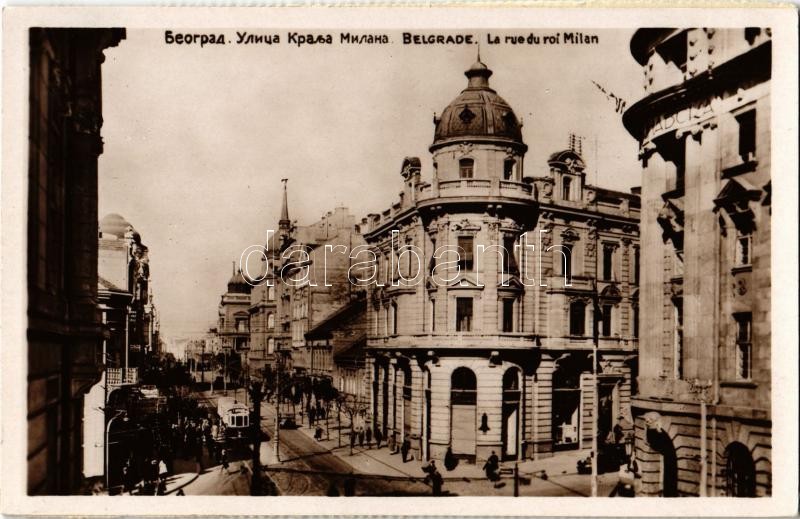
256,395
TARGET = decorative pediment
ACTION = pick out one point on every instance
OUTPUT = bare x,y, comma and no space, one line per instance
464,281
611,293
510,282
734,199
670,218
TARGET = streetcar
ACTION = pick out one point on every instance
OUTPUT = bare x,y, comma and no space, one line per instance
234,419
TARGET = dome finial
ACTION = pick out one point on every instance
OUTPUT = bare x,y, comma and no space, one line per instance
478,73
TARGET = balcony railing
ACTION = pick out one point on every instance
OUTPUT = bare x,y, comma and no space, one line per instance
479,187
119,376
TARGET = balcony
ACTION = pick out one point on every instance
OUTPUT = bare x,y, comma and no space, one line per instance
119,376
475,188
457,340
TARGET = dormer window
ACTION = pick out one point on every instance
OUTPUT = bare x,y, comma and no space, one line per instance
466,168
566,185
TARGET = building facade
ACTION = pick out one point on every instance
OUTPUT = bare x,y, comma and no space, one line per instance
64,323
703,417
233,328
489,349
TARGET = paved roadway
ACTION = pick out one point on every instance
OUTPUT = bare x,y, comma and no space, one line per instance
306,468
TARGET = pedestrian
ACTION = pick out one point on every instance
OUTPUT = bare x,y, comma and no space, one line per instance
491,467
361,437
404,448
450,461
224,458
352,439
162,469
369,437
433,477
349,487
318,433
312,414
378,437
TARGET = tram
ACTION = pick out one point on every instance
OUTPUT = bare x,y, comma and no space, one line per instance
234,417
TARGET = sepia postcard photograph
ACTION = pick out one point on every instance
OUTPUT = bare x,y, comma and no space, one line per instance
266,260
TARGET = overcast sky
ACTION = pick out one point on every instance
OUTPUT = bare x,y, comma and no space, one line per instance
197,139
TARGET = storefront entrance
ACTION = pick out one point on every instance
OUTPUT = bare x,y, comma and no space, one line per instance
463,417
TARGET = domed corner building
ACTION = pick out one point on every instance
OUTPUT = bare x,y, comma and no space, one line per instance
234,318
465,359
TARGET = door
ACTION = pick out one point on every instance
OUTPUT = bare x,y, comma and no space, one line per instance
463,430
510,427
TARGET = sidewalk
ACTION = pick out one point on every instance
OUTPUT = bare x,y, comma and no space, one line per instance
553,476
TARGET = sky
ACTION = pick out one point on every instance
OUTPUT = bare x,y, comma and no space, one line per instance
197,139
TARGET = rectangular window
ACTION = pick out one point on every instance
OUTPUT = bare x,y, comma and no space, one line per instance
465,168
608,262
636,321
743,251
577,318
466,254
607,309
433,315
509,256
744,346
394,319
747,135
566,185
636,266
566,262
463,314
508,315
508,169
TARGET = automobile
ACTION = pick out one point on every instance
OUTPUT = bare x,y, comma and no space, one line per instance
288,423
149,391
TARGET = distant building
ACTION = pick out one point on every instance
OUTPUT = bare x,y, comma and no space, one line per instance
233,329
703,417
465,352
125,298
64,324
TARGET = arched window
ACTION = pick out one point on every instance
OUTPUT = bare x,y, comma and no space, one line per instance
271,293
566,185
740,471
466,168
270,321
463,387
270,345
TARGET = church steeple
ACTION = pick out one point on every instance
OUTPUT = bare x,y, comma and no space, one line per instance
284,224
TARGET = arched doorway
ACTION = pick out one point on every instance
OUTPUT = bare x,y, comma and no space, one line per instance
662,443
463,403
566,413
740,471
511,407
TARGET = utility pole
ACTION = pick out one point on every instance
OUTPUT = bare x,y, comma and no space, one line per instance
278,398
596,316
256,395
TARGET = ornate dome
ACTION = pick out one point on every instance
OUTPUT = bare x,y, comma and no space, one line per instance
238,285
477,114
114,225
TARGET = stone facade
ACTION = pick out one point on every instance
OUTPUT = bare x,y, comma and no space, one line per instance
64,323
702,414
489,349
